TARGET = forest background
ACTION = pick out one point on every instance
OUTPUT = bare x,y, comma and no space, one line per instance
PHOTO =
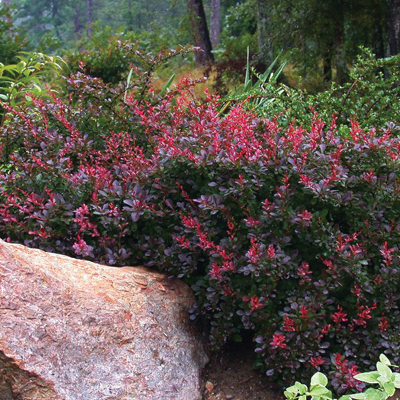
320,40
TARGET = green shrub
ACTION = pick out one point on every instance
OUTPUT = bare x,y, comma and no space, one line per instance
240,32
109,54
372,97
102,55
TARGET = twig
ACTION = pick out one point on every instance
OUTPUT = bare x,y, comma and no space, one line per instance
245,380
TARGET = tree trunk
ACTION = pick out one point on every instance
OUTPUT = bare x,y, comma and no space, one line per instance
264,31
327,68
342,72
215,22
77,21
130,16
338,45
394,27
54,19
379,41
89,10
54,9
201,36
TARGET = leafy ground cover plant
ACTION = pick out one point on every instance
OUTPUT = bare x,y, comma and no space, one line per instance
387,380
286,232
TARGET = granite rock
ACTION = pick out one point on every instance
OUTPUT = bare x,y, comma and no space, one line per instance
76,330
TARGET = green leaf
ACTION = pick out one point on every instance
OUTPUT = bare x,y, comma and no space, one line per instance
301,388
289,395
293,389
384,359
383,379
21,66
128,82
247,77
6,78
275,76
389,388
319,379
368,377
318,390
374,394
328,395
397,380
383,369
268,72
167,85
359,396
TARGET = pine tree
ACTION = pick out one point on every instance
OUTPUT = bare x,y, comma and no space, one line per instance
201,36
393,27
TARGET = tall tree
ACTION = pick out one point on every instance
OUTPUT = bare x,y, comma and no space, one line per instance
215,29
332,43
201,35
77,20
393,28
323,37
264,11
40,17
54,16
89,10
129,15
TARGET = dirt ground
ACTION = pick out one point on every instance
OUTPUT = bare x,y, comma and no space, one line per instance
230,376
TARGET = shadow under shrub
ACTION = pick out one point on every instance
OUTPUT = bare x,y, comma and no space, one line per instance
287,233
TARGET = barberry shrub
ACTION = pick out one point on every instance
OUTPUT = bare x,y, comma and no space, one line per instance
286,233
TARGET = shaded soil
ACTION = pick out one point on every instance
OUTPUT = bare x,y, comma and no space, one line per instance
230,376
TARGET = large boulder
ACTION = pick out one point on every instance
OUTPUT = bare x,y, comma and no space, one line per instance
76,330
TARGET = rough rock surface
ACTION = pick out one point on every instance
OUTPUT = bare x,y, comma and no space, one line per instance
75,330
